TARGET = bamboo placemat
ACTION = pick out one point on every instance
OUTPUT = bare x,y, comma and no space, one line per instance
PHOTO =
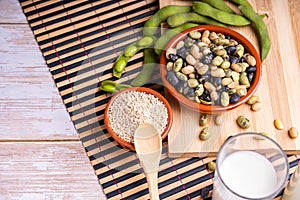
80,41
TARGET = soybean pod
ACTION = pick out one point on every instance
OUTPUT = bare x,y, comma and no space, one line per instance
129,52
120,65
219,4
112,86
168,35
151,25
219,15
150,63
177,20
108,86
241,2
265,42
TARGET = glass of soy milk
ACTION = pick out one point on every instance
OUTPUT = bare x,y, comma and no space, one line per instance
250,166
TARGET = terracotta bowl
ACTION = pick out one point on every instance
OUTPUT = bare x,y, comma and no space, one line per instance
211,108
129,145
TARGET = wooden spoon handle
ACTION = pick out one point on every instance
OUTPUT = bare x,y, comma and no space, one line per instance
153,185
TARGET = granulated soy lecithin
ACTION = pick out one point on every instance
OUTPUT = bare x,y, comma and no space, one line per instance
133,108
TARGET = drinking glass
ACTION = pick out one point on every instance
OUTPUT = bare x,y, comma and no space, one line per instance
250,166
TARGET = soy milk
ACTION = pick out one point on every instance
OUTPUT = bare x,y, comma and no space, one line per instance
246,173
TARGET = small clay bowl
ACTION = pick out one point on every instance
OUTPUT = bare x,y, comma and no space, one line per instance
192,105
129,145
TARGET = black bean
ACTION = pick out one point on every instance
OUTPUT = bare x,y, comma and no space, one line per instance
210,55
224,88
204,193
197,76
208,71
250,76
186,90
206,97
180,88
181,52
198,40
227,37
184,62
230,50
183,83
234,59
251,69
242,59
201,80
205,77
235,97
190,93
173,57
172,78
206,60
203,96
217,81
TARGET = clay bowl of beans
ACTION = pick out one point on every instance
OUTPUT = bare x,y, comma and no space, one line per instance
210,69
133,107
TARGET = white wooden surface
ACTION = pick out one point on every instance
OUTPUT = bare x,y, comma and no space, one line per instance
41,156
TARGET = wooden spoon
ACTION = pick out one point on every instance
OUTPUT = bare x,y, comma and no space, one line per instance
148,146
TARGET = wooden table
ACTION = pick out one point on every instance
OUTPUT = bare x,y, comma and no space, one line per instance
41,155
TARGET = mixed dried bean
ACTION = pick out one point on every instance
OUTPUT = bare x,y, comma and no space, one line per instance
210,68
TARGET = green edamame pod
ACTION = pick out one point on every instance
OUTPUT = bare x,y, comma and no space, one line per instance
168,35
120,65
219,4
241,2
219,15
112,86
146,41
120,87
150,62
161,15
108,86
264,39
129,52
262,16
177,20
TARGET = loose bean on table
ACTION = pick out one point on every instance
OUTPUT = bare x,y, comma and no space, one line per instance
243,122
204,134
253,99
278,124
256,106
293,132
211,166
219,119
203,119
